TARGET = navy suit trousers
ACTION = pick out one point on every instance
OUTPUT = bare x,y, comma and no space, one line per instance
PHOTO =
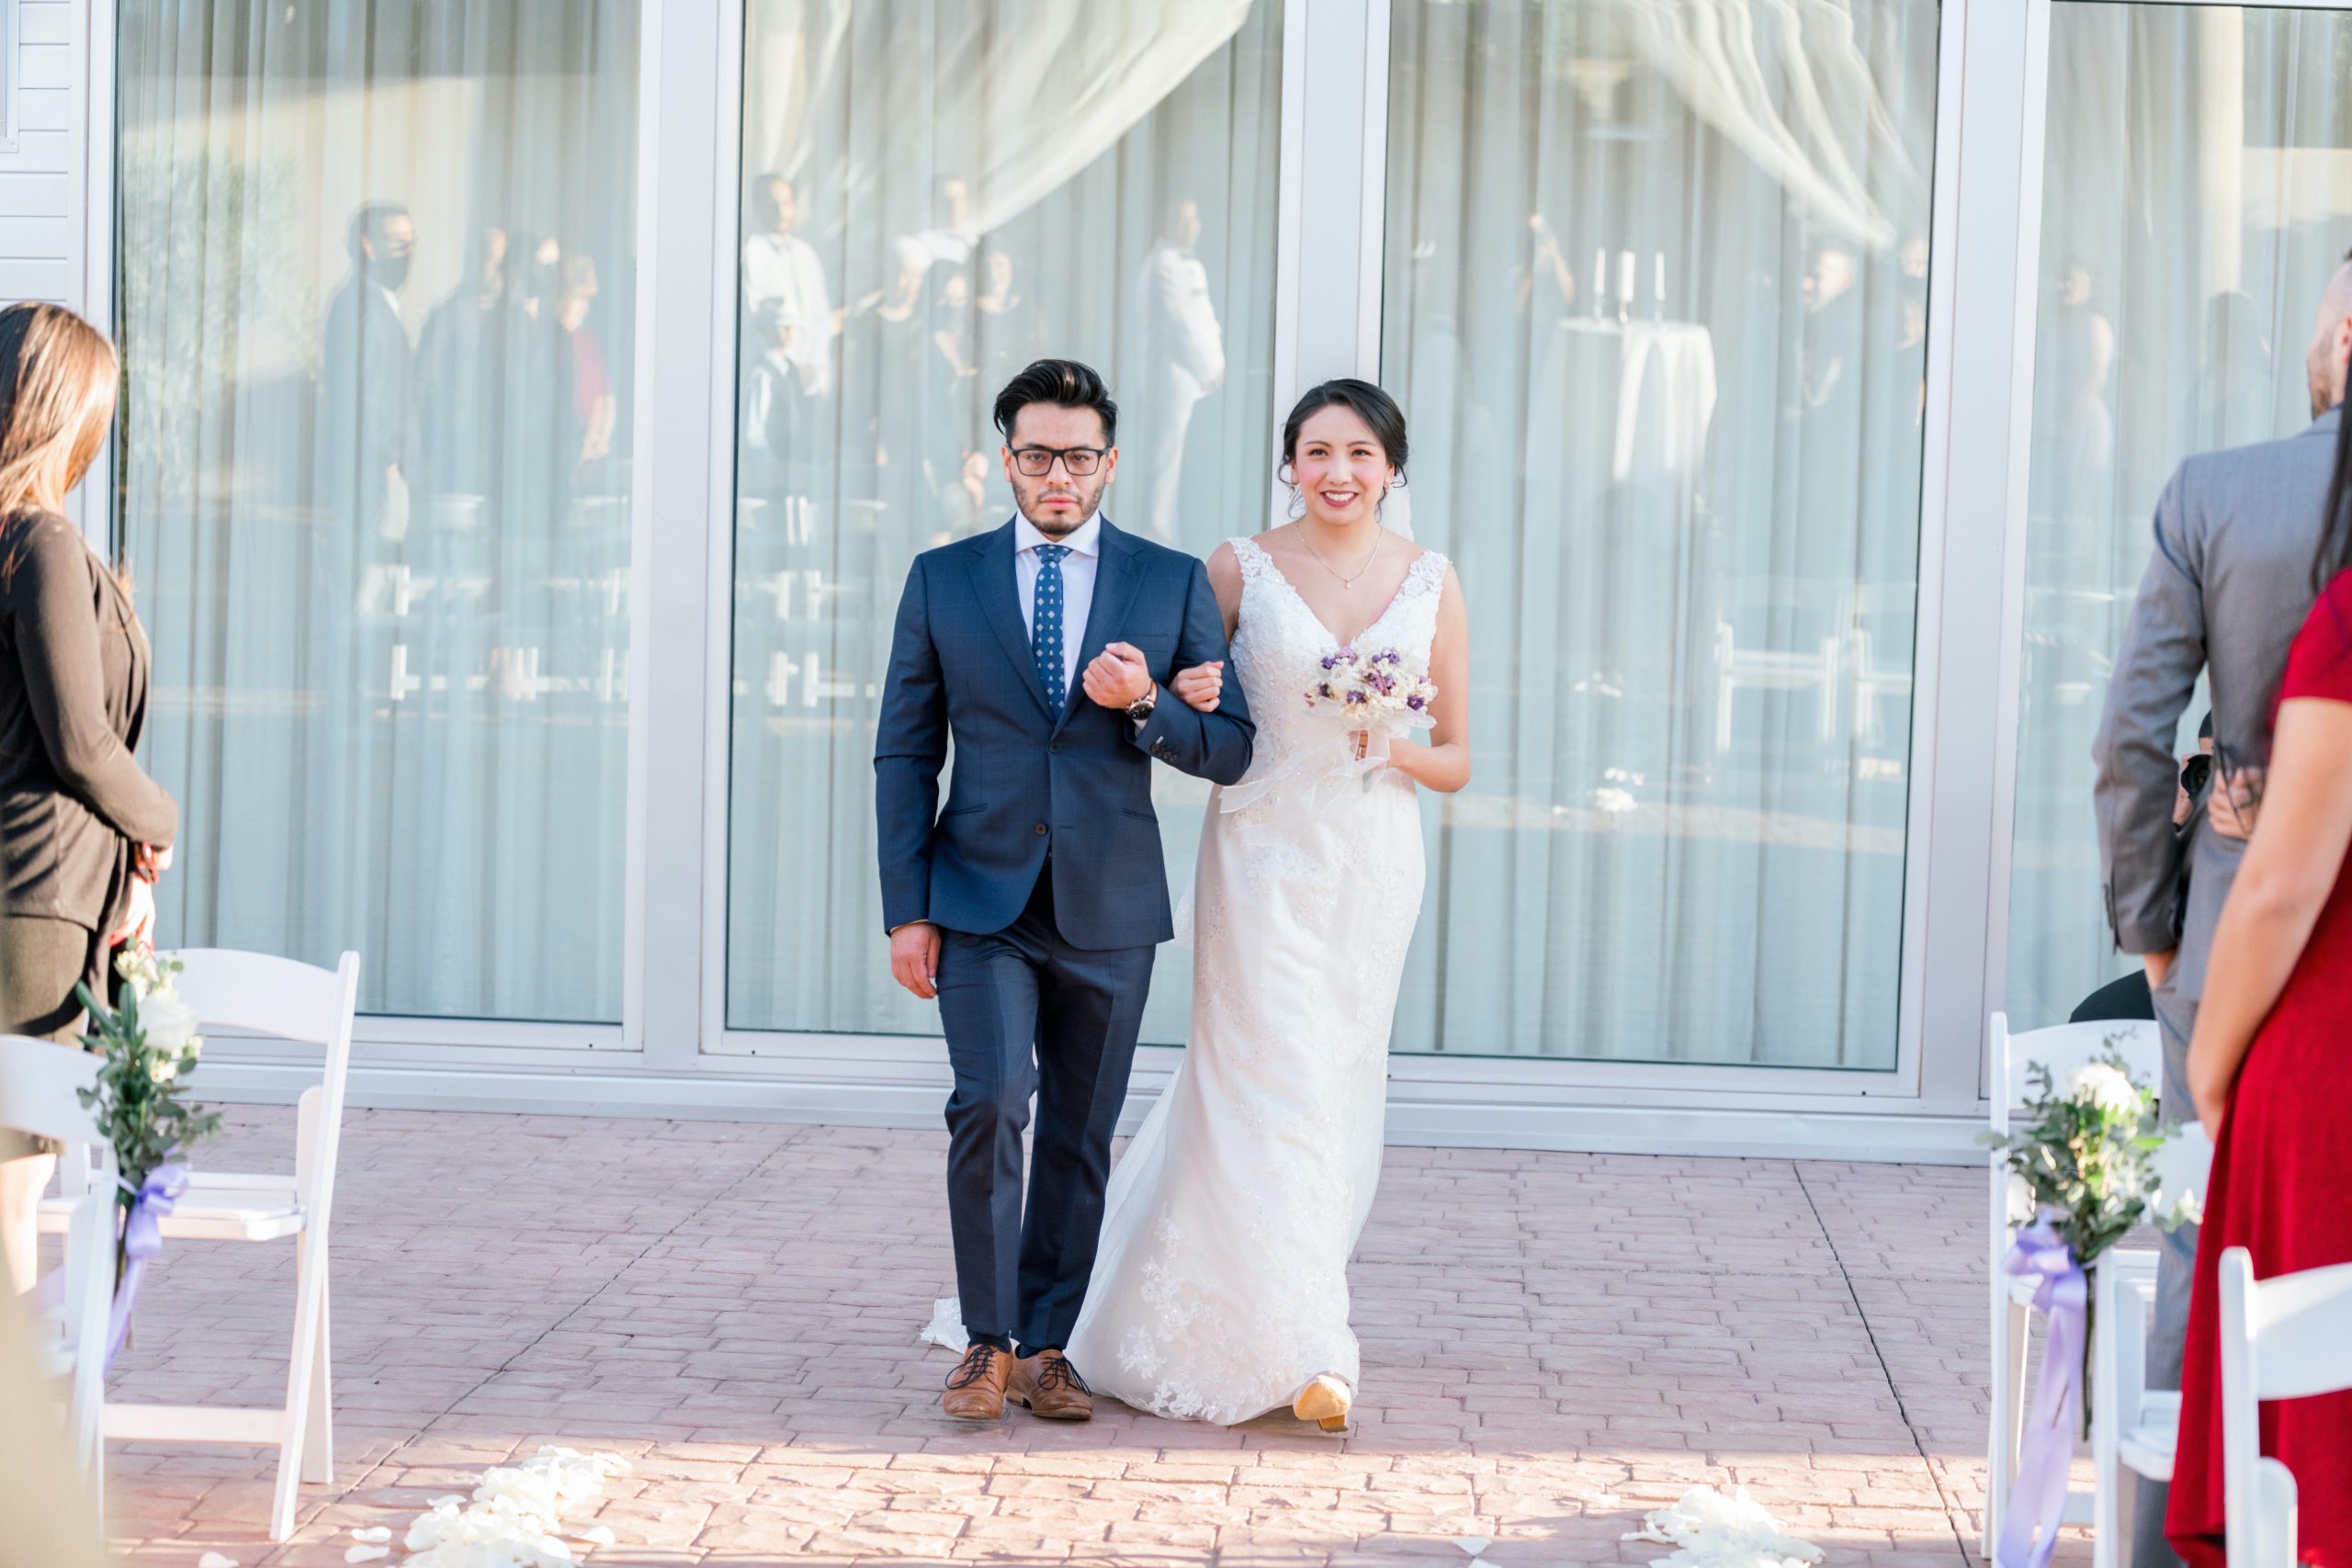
1026,1012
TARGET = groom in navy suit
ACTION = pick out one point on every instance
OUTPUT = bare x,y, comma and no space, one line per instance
1031,905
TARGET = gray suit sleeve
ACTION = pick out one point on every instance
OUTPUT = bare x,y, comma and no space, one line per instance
2141,855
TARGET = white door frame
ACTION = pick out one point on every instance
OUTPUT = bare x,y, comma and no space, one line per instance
672,1049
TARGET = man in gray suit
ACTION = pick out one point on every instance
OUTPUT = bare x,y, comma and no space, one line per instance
2226,591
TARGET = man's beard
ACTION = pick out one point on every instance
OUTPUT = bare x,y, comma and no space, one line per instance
1059,525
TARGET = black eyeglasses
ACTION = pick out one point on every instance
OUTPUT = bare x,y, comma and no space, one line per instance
1038,461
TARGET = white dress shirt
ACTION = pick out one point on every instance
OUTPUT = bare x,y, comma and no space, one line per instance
1085,548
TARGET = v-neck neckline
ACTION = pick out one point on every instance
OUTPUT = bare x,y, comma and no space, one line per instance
1337,641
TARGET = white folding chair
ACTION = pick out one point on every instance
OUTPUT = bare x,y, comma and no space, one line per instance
2286,1337
40,1093
2062,1049
252,993
2134,1428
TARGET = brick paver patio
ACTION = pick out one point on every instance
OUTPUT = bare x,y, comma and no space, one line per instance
1552,1344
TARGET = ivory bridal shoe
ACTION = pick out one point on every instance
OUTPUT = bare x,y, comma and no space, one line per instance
1324,1401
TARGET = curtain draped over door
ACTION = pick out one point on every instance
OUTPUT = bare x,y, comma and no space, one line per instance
375,307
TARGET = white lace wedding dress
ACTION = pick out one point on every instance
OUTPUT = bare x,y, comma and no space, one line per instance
1221,1286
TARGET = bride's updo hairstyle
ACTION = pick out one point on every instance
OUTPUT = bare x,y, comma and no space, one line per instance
1368,402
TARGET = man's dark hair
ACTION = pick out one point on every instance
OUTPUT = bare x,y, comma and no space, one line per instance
1370,404
764,202
1064,383
369,224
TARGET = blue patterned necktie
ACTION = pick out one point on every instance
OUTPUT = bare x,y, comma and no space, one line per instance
1046,624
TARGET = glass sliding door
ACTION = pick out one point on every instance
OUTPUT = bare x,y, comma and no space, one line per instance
1657,309
376,306
933,196
2196,197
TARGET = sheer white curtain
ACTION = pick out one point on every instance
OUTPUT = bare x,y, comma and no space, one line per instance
2197,196
375,316
1655,307
934,195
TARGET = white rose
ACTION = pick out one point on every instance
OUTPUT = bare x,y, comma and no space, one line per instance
164,1069
169,1024
2100,1084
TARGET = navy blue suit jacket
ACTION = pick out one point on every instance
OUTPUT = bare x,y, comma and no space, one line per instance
1024,782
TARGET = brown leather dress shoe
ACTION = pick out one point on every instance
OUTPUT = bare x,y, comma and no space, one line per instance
975,1388
1051,1388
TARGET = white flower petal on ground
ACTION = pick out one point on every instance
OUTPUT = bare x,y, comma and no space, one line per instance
512,1518
214,1560
2101,1084
374,1535
1711,1531
597,1535
366,1553
945,1328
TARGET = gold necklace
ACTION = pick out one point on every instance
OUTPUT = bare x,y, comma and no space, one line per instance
1345,581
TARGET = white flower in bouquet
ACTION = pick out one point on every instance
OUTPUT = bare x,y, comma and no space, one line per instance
169,1023
2104,1085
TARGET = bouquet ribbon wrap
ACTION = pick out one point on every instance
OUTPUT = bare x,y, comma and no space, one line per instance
143,1238
2038,1494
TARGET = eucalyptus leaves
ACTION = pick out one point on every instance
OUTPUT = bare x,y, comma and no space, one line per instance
2090,1160
148,1043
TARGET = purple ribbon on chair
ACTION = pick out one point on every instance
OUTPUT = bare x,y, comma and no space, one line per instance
2036,1503
143,1238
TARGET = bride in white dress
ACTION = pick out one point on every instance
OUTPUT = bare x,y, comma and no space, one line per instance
1220,1291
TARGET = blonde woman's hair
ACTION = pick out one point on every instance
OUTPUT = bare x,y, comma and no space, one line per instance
57,376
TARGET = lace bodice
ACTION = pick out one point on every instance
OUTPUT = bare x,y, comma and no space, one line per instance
1279,644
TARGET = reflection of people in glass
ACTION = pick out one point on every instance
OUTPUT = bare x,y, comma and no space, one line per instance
887,348
776,423
1183,357
592,384
2080,346
1011,328
461,364
782,273
1548,285
2232,400
364,374
953,410
1832,329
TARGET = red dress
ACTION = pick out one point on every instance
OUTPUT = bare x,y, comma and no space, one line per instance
2281,1187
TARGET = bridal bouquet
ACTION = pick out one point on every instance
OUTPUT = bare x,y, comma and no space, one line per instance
1373,691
